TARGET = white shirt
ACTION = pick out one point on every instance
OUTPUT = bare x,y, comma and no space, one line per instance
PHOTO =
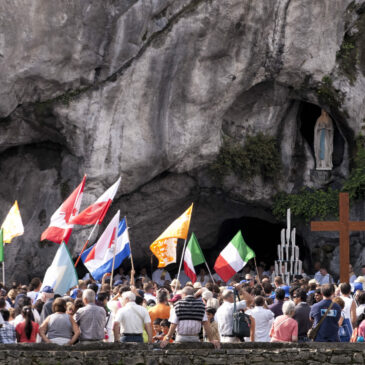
33,295
132,318
156,276
224,316
263,321
360,309
348,303
149,296
19,318
323,279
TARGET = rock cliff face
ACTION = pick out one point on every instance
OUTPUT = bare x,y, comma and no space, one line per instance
147,89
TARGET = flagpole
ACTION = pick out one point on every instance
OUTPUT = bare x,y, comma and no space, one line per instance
257,272
112,273
3,271
211,276
181,260
87,242
130,249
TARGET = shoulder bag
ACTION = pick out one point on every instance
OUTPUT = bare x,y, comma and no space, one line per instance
312,332
241,321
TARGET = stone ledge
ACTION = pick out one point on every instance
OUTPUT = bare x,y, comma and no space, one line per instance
184,354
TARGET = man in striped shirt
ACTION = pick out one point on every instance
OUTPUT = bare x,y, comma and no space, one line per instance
187,318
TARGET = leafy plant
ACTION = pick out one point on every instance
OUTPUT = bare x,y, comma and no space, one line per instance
258,156
327,94
355,183
307,204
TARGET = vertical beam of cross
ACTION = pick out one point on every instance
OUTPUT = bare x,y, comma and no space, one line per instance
344,226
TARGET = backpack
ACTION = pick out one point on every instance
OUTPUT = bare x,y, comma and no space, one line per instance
241,321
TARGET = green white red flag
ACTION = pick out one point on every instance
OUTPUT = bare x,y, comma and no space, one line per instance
193,257
233,258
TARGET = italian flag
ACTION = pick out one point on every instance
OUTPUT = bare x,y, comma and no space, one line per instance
233,258
193,257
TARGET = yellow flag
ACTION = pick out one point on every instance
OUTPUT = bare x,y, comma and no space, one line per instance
12,225
164,248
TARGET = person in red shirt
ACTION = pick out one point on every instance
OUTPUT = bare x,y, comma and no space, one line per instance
27,330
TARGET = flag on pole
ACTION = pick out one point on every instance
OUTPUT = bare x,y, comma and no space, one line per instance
1,246
12,225
193,257
61,275
233,258
98,259
164,247
95,213
59,228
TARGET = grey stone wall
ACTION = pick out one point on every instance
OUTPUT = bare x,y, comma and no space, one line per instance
184,354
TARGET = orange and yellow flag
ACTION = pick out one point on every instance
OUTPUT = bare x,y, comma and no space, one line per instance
164,247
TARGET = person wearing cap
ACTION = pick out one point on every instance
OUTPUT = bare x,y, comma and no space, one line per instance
47,296
224,315
161,309
130,321
277,306
175,299
187,318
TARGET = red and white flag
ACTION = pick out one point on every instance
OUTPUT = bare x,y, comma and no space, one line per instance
60,228
95,213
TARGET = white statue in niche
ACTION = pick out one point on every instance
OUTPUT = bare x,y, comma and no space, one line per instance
323,142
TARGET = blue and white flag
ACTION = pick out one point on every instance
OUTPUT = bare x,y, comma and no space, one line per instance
61,275
98,259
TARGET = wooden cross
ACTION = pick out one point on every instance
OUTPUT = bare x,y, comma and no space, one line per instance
344,226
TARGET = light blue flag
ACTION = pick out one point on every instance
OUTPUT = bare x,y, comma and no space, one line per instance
61,275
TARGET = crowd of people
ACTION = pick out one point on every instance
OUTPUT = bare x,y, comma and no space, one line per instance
161,310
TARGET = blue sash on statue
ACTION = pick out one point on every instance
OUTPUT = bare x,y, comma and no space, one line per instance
322,142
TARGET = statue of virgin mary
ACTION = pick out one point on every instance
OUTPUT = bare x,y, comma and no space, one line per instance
323,142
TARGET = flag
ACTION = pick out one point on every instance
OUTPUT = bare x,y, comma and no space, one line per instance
12,225
59,228
1,246
233,258
164,247
193,257
98,259
95,213
61,275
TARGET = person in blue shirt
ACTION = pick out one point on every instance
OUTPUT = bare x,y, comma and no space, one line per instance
328,331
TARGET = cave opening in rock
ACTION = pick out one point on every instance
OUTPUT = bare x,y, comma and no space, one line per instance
308,115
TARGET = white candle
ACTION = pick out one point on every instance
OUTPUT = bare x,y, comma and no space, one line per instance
288,220
291,267
292,253
283,236
287,252
280,268
282,252
293,233
287,236
286,268
296,252
278,252
300,268
276,269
